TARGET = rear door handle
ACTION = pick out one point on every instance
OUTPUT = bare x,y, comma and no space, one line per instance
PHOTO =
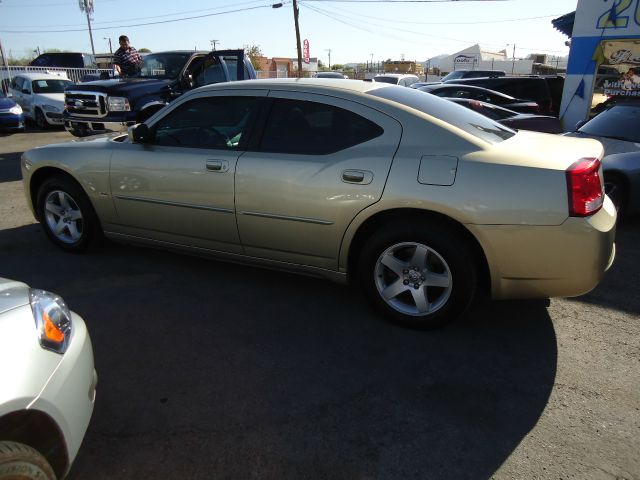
217,165
357,176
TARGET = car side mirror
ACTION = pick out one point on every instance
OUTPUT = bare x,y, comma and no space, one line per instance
139,133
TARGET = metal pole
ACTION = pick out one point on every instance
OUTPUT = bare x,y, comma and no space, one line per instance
295,20
513,61
93,50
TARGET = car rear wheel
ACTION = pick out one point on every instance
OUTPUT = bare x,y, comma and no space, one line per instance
66,214
420,277
21,462
41,121
616,189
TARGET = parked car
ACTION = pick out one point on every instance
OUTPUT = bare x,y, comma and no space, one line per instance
64,60
511,119
402,79
617,129
41,97
454,90
330,75
115,104
546,91
48,383
11,116
456,74
412,198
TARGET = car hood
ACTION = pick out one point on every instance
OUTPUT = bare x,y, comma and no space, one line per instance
611,145
6,103
123,86
56,99
12,294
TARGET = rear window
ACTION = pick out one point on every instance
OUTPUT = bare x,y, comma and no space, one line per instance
620,122
383,79
471,122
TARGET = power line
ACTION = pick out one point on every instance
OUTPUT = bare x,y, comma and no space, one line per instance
147,17
146,23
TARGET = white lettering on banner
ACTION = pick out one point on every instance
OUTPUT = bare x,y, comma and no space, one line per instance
305,50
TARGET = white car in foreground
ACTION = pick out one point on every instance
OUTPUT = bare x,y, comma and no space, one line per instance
48,383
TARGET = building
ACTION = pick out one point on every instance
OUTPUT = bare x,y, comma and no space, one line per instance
475,58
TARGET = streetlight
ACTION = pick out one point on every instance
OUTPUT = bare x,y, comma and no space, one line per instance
108,38
329,50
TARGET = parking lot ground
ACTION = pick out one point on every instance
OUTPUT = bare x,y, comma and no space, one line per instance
213,370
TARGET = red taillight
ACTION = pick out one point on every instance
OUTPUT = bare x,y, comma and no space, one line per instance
584,187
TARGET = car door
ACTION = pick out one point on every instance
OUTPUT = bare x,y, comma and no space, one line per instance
320,161
179,186
17,85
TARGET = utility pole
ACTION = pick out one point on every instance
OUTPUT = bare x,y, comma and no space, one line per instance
329,50
87,7
214,43
513,62
295,21
108,38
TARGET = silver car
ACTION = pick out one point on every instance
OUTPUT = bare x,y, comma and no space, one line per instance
414,199
48,383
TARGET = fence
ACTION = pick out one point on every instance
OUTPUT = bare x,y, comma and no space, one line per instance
74,74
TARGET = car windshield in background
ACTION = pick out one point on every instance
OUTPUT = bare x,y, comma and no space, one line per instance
163,65
383,79
471,122
620,121
453,75
50,86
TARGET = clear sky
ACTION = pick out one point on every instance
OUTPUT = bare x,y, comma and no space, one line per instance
353,30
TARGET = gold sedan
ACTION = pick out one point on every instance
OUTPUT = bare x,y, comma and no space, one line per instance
412,198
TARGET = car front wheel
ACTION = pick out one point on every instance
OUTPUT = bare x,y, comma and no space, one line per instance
19,461
41,121
419,276
66,214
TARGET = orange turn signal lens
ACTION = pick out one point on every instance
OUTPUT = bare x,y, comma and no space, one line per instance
51,331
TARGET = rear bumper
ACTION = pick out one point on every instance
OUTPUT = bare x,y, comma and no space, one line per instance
549,261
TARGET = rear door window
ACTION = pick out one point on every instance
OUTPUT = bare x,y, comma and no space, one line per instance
313,128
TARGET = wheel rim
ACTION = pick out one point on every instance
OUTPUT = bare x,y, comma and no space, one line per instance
413,279
63,216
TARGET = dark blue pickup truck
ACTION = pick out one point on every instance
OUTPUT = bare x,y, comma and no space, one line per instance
115,104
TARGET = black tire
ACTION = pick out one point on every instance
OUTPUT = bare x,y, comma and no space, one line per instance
19,461
62,203
617,190
443,278
41,121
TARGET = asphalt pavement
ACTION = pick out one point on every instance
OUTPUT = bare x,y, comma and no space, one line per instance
209,370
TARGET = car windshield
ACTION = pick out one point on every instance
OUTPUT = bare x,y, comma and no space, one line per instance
620,122
163,65
453,75
384,79
471,122
50,86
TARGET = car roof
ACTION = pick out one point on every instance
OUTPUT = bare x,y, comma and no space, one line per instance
326,84
40,76
396,75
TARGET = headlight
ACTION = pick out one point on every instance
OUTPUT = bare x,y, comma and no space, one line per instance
53,320
118,104
17,110
50,108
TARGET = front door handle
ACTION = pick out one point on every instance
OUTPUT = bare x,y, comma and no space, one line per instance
217,165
